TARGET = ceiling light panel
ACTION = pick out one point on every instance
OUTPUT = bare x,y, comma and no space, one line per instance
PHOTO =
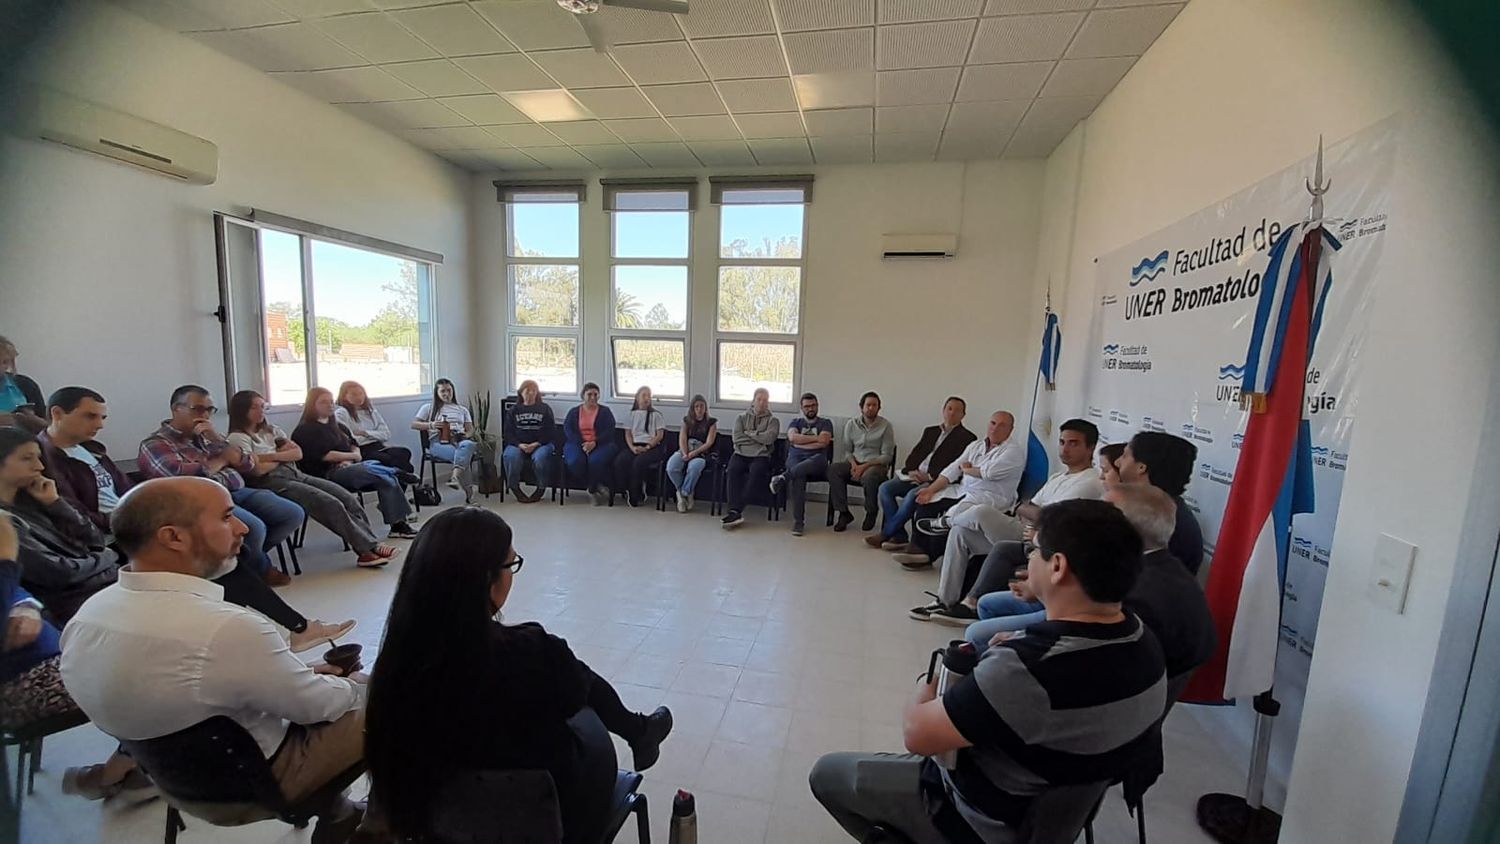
685,100
719,18
547,106
798,15
438,78
376,37
909,11
835,90
583,68
455,30
650,64
1121,32
831,51
534,25
1024,38
916,87
757,95
742,58
937,44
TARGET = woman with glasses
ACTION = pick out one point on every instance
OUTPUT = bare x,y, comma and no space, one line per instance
455,690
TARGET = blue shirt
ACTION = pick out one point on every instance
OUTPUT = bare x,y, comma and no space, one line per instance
811,427
11,396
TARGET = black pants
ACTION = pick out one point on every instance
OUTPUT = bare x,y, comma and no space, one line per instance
605,702
631,471
243,587
393,456
746,474
999,568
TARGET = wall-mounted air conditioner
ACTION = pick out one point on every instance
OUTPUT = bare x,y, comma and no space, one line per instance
918,246
58,117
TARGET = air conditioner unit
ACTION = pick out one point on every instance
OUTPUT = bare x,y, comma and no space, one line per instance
918,245
58,117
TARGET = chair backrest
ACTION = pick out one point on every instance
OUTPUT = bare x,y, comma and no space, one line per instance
1057,815
425,437
480,807
213,761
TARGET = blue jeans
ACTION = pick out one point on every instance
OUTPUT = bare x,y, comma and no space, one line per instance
357,477
897,514
684,473
460,455
803,465
515,461
271,520
594,468
1002,612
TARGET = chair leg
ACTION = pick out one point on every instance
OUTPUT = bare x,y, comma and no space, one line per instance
23,765
174,824
1088,832
642,820
36,765
1140,821
281,557
296,563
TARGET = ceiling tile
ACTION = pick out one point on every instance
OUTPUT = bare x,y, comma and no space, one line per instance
1121,32
906,11
666,155
718,18
835,90
1058,112
611,156
548,106
995,117
349,85
510,159
1034,143
407,114
641,129
845,149
485,109
742,58
937,44
438,78
915,87
782,151
754,95
581,68
534,26
292,46
376,37
615,102
1019,81
907,146
650,64
510,72
1032,7
558,158
199,15
634,26
786,124
721,153
583,132
962,146
684,100
525,135
1085,77
455,30
915,118
1024,38
463,137
305,9
712,127
798,15
839,121
831,51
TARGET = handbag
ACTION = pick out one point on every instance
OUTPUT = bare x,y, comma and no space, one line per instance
427,496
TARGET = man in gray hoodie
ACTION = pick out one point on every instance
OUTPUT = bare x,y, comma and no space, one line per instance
755,433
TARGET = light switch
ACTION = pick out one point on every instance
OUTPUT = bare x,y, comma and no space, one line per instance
1391,574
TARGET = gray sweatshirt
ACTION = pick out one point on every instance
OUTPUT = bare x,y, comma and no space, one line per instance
754,435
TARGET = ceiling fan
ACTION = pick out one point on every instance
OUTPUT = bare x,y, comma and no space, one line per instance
593,26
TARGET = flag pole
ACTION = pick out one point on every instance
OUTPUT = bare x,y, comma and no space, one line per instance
1229,818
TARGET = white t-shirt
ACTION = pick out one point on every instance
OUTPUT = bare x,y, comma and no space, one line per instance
643,425
456,415
109,497
260,443
1066,486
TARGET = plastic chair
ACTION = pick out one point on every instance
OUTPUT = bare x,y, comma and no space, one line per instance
27,739
215,767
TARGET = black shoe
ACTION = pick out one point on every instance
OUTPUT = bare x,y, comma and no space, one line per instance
935,526
955,615
732,520
842,523
647,749
402,530
869,523
408,479
924,612
798,529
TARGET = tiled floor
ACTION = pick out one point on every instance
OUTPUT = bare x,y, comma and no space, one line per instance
769,649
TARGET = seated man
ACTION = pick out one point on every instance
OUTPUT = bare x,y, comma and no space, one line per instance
88,479
980,486
187,444
1078,479
754,437
20,397
939,447
161,651
807,440
1166,462
1013,726
872,449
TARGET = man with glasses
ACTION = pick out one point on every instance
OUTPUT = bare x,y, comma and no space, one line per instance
808,437
188,445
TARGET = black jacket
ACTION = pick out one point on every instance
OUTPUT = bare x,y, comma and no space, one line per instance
952,447
529,423
64,558
1172,604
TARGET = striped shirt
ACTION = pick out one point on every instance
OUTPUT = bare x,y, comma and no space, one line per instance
1064,703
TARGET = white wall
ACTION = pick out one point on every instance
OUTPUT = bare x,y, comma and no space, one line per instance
109,272
914,331
1209,110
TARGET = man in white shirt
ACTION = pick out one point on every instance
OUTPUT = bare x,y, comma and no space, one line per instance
161,651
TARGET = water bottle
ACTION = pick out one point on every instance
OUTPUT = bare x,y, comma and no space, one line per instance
683,828
959,659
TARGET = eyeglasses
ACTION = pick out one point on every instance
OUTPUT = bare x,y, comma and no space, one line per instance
515,564
200,409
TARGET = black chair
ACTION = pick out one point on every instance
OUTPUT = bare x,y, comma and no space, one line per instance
27,739
215,768
1056,816
430,459
773,503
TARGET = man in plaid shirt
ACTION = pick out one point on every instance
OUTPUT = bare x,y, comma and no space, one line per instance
187,444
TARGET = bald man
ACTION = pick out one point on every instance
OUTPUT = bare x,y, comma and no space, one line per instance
161,651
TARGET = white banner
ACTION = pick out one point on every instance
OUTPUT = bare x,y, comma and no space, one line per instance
1175,313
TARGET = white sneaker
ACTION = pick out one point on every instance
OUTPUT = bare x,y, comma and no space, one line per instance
453,479
681,503
690,502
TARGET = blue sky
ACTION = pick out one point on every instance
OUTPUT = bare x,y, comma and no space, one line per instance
348,282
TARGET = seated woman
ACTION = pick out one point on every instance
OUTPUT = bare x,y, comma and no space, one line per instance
21,401
642,454
450,429
276,456
589,450
328,452
371,434
696,440
529,430
506,692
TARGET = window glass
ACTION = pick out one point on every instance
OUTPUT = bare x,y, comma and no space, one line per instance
545,294
746,366
760,299
760,231
550,361
658,364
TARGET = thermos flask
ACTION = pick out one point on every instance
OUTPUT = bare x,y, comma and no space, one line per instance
683,828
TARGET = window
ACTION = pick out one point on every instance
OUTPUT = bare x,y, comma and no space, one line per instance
305,305
650,237
758,322
543,280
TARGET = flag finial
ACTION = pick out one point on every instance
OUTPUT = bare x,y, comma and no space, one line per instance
1317,186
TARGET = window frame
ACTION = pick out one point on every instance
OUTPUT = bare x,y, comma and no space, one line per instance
684,336
514,331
